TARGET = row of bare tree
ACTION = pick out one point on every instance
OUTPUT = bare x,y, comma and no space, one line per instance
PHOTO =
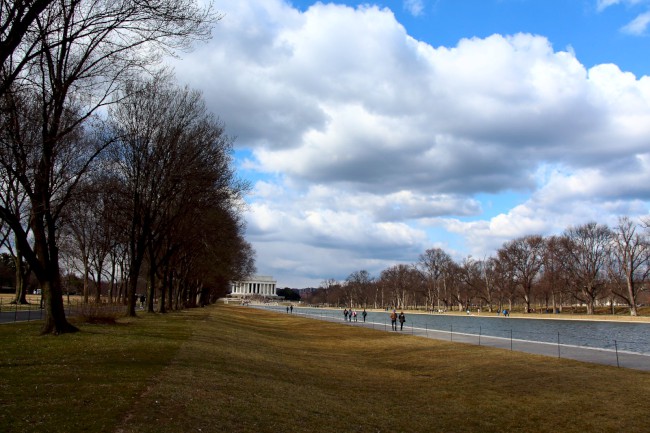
590,264
104,161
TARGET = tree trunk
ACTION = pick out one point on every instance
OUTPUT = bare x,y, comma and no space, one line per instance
49,279
111,287
134,272
162,308
21,278
136,256
204,296
123,288
176,296
55,321
47,272
151,288
98,294
590,306
21,283
631,296
86,277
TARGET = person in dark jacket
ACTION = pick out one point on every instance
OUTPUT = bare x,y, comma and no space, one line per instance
401,319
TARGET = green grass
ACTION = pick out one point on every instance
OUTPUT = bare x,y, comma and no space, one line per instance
235,369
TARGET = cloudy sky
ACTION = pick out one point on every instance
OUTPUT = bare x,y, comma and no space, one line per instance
372,131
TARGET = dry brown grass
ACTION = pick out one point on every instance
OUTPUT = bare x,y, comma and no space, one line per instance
254,371
236,369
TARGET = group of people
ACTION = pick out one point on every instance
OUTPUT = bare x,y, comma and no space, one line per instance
351,315
394,318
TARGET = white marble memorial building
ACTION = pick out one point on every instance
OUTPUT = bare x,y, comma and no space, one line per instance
261,285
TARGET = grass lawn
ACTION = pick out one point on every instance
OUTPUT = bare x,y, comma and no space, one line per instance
235,369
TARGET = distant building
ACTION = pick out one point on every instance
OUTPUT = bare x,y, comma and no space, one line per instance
258,285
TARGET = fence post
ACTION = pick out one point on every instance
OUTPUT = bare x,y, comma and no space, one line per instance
426,329
451,332
480,328
616,348
558,345
510,339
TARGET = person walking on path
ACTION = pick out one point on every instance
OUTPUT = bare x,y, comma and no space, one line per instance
345,315
364,314
291,308
401,319
393,320
354,314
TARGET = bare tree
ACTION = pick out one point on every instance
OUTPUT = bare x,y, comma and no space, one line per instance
19,41
507,287
173,161
355,284
223,255
630,261
487,291
332,290
20,267
46,185
470,281
16,126
401,280
84,50
524,257
318,296
435,265
323,294
586,249
78,226
554,279
102,237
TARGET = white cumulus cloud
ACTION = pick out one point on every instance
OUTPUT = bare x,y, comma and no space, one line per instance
371,139
415,7
638,25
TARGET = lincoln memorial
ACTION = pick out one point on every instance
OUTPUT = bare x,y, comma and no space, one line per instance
261,285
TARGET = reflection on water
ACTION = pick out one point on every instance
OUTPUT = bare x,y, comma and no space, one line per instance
632,337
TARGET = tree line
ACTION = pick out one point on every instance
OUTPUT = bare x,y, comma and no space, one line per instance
588,265
107,166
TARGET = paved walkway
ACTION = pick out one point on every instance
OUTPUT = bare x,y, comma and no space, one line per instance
20,316
580,353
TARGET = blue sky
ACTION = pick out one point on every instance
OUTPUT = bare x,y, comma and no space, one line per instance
372,131
595,30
